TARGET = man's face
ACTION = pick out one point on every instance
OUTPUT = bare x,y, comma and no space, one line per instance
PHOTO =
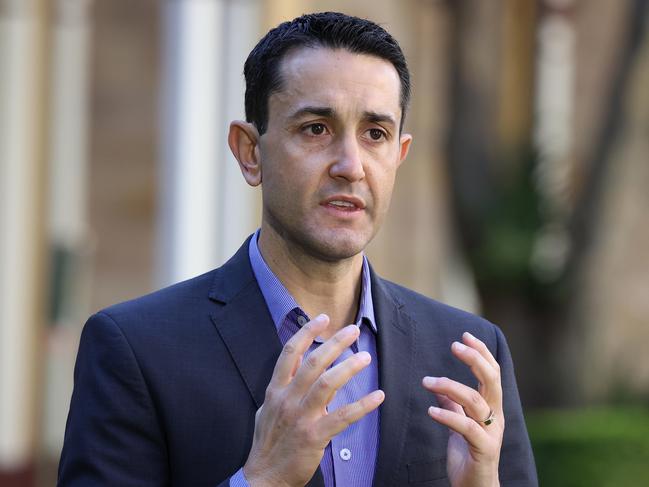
331,150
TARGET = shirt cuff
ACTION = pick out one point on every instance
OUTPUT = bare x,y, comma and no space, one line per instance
238,479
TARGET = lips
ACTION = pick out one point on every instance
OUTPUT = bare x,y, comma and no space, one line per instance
344,203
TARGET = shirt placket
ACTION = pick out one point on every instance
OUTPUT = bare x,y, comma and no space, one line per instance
342,445
343,455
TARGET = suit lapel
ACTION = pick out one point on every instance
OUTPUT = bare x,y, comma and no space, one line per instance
396,354
247,329
250,336
244,323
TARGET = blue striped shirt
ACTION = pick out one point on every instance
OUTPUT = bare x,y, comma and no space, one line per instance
349,459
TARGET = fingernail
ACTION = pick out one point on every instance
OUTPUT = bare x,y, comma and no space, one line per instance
351,330
429,381
321,318
433,411
469,336
377,396
460,347
364,357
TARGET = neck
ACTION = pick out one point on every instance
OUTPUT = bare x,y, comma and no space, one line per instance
318,286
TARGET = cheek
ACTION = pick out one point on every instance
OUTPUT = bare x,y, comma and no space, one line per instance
291,160
383,181
285,188
278,202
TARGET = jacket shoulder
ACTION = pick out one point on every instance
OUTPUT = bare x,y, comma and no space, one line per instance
172,301
416,303
191,295
438,319
166,299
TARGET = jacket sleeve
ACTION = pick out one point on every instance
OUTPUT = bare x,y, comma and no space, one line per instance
517,466
113,436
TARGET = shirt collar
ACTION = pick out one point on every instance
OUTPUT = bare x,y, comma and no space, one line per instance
280,302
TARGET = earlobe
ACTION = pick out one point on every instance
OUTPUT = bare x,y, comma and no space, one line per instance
404,146
243,139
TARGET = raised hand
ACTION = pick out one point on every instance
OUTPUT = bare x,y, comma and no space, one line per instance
475,417
292,428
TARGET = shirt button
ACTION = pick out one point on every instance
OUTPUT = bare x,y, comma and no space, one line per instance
301,320
345,454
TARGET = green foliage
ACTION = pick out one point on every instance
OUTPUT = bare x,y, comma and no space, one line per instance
591,448
509,225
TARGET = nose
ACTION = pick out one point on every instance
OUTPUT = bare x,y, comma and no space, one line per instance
348,162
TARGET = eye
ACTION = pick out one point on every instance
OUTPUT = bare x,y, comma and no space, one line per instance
316,129
376,134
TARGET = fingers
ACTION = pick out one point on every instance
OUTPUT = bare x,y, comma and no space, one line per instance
449,404
307,380
471,400
477,405
453,416
338,420
293,426
295,348
483,365
479,345
324,388
464,411
319,360
472,432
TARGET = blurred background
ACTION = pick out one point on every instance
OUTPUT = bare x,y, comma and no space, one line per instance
524,198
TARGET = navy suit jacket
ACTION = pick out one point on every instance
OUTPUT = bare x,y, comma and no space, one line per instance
167,386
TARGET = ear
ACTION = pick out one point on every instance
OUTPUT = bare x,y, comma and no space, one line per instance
404,146
243,139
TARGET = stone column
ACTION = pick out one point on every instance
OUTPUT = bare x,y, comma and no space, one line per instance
204,210
69,236
22,277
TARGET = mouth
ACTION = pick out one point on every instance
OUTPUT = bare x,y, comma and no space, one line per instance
344,203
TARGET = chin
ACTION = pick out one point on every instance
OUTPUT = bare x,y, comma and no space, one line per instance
338,245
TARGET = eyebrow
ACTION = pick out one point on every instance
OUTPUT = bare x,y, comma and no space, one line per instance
375,117
328,112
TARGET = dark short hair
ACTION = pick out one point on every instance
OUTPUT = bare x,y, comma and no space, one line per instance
326,29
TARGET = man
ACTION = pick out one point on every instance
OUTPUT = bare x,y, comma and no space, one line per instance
238,377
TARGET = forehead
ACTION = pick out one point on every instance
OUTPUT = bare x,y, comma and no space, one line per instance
336,78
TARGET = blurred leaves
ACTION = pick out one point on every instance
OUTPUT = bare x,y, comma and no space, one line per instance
501,257
591,448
